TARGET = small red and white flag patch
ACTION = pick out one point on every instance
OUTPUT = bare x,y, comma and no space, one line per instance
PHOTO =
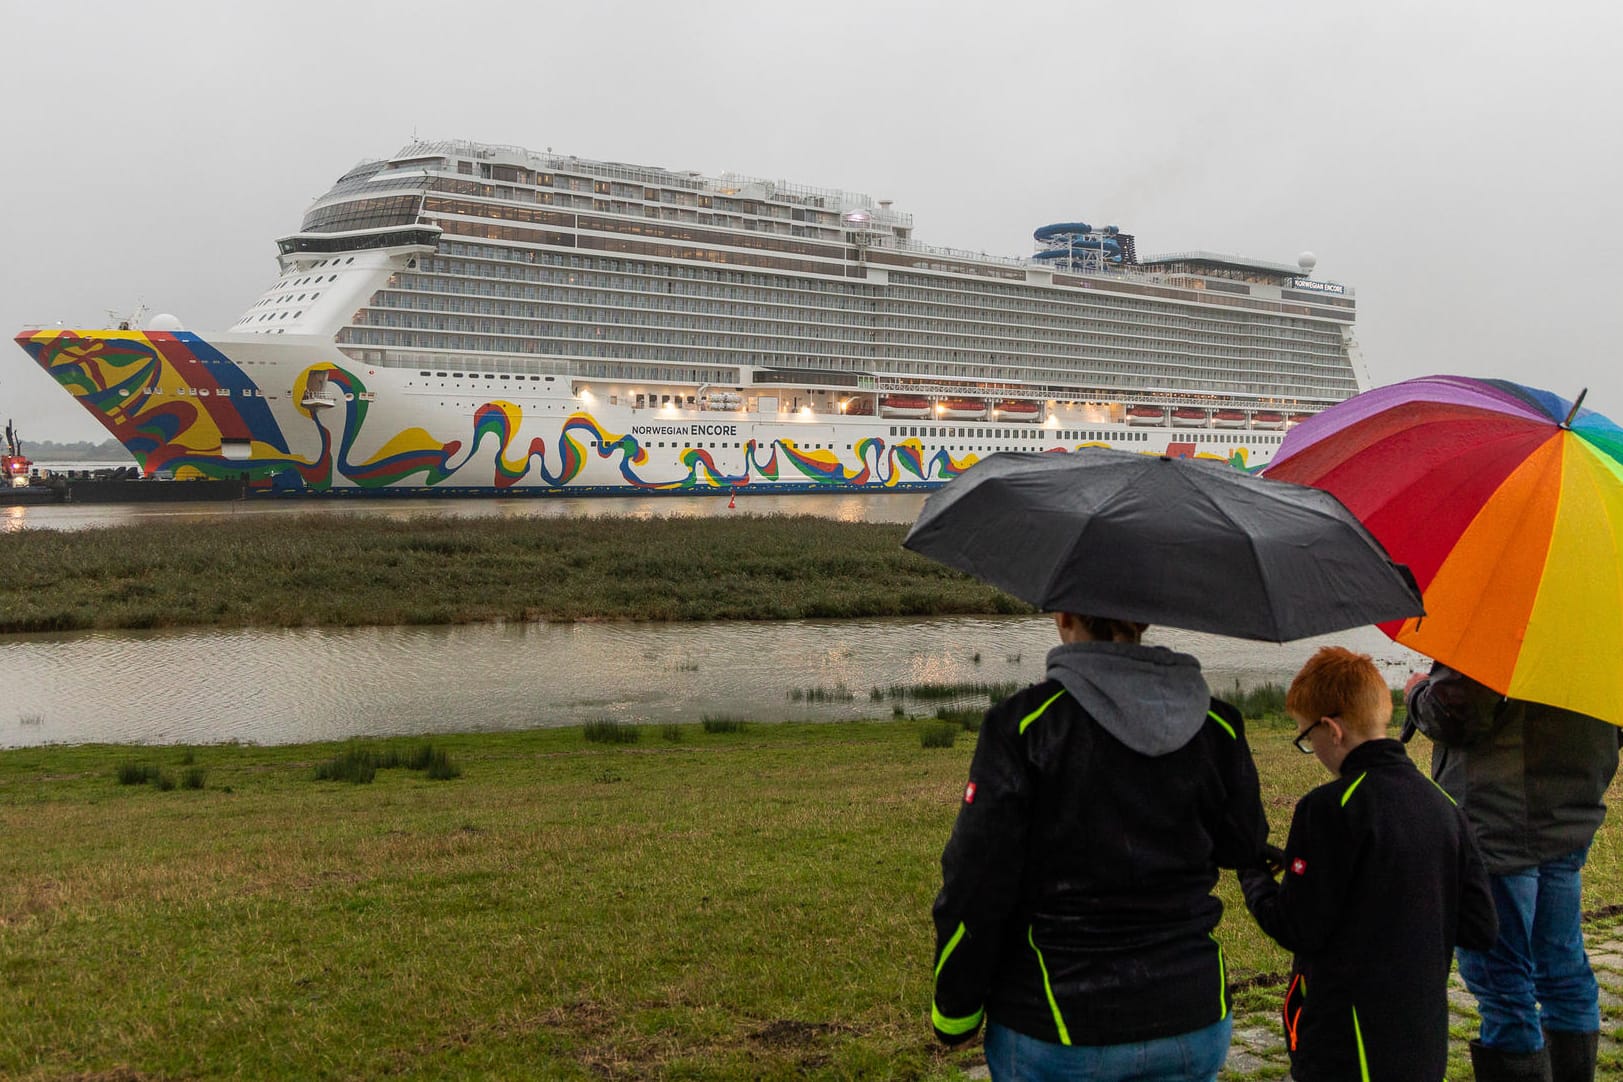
1299,866
969,793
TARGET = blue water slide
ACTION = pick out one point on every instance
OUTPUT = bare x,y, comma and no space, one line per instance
1060,229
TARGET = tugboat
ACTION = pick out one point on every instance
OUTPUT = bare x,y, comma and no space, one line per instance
15,467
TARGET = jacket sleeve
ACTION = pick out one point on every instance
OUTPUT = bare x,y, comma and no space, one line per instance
1478,918
1243,829
1452,709
1301,911
980,877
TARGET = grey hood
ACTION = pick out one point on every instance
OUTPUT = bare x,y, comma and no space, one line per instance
1150,698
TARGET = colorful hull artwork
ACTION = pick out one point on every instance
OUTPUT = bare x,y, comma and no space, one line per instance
292,416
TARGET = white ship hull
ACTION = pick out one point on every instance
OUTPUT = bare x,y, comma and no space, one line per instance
297,416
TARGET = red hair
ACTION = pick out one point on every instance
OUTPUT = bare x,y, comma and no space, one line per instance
1336,682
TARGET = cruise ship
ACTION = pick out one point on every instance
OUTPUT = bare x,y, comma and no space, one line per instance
463,318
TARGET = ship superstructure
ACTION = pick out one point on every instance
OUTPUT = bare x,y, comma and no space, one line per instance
465,317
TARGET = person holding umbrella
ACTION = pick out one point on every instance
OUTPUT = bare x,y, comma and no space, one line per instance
1507,503
1532,779
1076,918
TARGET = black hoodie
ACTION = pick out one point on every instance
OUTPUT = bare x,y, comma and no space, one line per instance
1076,902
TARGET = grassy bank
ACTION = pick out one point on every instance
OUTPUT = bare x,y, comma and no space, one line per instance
293,571
728,901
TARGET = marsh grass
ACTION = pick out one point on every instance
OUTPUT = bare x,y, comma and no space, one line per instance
360,763
839,693
642,903
1263,701
967,720
130,773
720,723
974,689
610,731
939,734
300,570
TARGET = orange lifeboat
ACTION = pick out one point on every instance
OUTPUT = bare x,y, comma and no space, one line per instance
1190,417
1268,419
963,409
1228,418
1013,409
904,405
1298,418
1146,415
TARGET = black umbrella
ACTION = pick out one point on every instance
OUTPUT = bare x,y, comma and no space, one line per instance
1183,542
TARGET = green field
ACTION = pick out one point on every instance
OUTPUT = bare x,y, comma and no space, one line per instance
749,902
308,570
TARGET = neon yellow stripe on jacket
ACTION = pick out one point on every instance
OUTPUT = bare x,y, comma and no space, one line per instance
1037,713
1048,989
1363,1060
952,1026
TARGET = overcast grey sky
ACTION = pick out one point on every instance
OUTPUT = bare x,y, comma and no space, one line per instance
1459,164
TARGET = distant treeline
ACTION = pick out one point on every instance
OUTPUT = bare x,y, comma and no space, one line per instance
82,451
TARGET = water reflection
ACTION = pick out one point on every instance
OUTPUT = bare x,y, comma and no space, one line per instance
289,686
843,507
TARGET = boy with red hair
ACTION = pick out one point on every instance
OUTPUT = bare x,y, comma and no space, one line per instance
1381,880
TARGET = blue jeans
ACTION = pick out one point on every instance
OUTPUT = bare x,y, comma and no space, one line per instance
1537,976
1188,1057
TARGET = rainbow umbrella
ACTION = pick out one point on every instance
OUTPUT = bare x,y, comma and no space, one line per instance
1506,502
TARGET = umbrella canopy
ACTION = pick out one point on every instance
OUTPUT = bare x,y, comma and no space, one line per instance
1186,543
1507,504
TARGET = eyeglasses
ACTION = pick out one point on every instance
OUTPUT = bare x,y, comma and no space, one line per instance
1307,749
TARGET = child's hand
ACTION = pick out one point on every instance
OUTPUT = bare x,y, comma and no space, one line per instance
1273,858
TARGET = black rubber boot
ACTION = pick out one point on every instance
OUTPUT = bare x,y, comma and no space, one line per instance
1498,1065
1572,1055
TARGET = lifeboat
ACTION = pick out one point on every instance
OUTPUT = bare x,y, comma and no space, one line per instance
1190,417
904,405
1012,409
1298,418
1271,419
1228,418
963,409
859,407
1146,415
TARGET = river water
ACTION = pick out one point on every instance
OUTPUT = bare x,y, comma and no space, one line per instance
847,507
290,686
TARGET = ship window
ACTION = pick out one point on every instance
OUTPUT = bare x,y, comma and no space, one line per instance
439,374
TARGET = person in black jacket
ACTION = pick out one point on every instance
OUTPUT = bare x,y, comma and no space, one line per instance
1076,910
1382,878
1532,780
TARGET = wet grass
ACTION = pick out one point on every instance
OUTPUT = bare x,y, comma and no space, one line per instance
755,907
305,570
